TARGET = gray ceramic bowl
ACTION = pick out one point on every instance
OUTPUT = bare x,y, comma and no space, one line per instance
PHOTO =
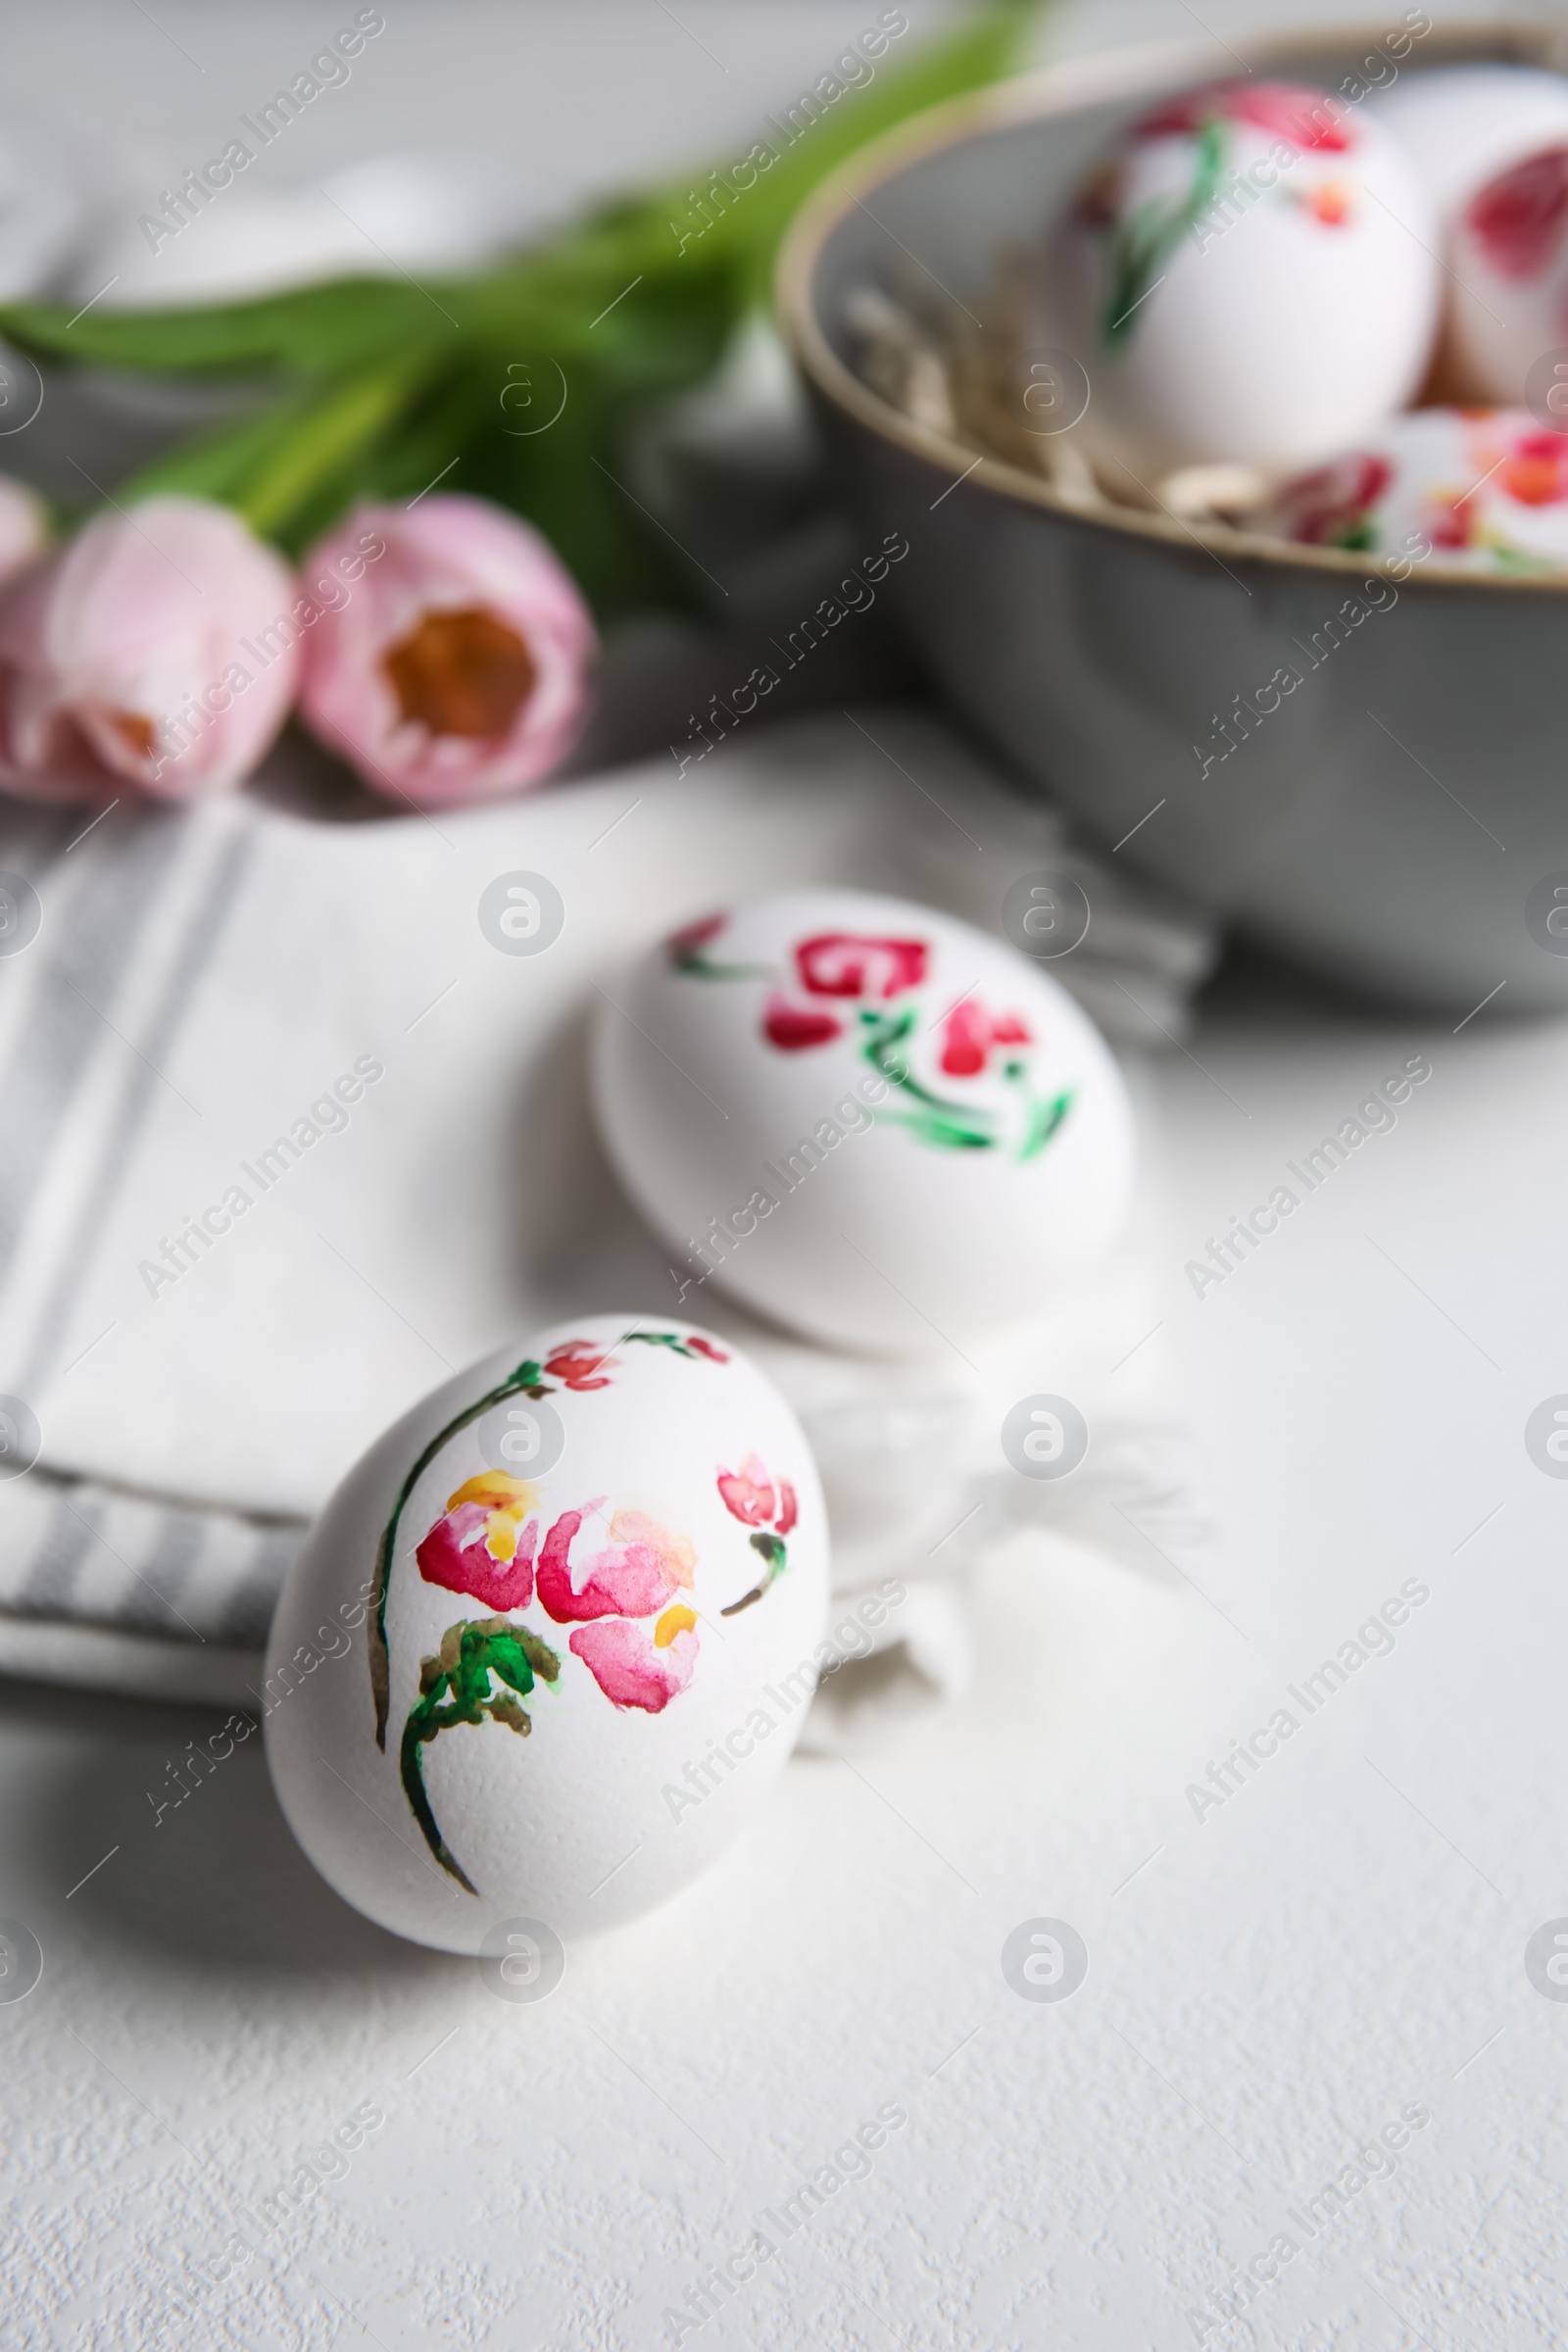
1402,821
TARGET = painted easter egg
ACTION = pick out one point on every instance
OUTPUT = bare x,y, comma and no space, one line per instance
1244,276
1491,143
1485,489
552,1639
864,1118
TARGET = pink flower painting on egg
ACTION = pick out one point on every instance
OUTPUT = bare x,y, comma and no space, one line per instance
1309,120
1146,234
580,1366
794,1030
480,1546
1331,506
844,963
1486,487
838,963
749,1496
490,1545
970,1035
771,1510
636,1668
868,986
1517,220
637,1574
477,1547
641,1568
684,948
1501,513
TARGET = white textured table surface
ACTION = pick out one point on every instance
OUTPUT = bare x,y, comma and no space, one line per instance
1268,1988
1333,1944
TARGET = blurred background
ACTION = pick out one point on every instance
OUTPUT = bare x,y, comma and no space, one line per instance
458,130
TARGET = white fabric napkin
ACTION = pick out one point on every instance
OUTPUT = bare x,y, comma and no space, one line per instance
205,981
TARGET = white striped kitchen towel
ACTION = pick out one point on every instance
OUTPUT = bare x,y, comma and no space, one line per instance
203,981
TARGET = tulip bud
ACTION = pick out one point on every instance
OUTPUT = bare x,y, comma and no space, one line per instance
159,650
450,664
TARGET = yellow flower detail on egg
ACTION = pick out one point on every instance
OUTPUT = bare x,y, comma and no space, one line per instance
508,1500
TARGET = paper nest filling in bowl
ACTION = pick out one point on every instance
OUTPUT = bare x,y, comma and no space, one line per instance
965,374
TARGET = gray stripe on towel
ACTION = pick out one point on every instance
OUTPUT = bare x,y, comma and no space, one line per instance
201,937
248,1618
107,913
53,1570
177,1542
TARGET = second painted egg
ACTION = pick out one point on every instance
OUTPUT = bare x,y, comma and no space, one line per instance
864,1119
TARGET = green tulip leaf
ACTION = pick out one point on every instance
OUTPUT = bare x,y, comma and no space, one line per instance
374,388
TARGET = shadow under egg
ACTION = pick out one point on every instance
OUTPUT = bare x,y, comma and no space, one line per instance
207,1871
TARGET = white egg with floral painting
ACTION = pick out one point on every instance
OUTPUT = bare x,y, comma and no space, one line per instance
864,1118
1485,489
549,1645
1491,142
1249,274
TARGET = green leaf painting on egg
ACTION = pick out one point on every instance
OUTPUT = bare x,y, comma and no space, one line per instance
525,1381
621,1593
880,977
1301,120
457,1685
954,1126
1143,242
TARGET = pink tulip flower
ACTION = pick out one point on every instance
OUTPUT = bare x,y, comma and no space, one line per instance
24,525
157,650
456,668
